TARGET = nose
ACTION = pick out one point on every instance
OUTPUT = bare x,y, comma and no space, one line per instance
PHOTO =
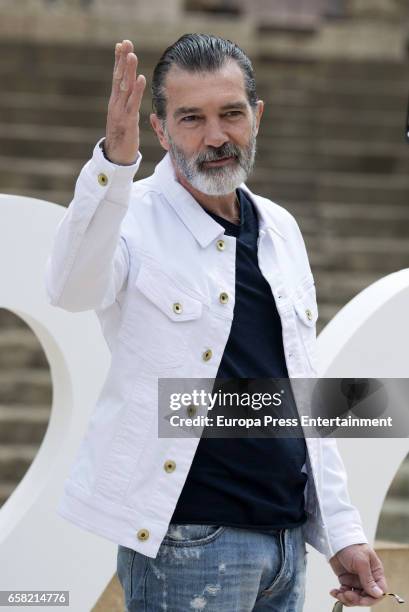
214,135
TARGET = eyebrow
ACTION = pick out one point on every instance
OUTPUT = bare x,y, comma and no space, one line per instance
186,110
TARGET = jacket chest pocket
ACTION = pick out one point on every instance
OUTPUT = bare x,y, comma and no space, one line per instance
158,318
306,309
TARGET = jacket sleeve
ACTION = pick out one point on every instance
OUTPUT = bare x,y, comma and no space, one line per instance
342,519
88,263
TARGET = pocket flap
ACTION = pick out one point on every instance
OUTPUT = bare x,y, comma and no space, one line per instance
167,295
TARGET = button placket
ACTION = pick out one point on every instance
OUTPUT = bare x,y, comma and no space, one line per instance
191,410
142,534
169,466
102,179
207,355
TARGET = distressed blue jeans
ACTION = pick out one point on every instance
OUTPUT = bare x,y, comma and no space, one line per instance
216,569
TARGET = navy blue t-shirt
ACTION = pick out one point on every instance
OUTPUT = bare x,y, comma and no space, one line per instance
247,482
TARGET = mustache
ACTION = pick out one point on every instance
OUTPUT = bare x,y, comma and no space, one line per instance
226,150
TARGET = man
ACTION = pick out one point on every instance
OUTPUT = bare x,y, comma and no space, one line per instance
194,276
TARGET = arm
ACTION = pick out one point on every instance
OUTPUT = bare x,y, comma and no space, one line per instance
88,263
352,559
359,569
342,519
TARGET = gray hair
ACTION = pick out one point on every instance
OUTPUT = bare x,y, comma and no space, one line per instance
199,53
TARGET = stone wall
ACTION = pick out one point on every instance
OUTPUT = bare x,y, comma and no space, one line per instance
377,29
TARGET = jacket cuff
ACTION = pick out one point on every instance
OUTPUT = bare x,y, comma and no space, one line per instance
109,181
345,533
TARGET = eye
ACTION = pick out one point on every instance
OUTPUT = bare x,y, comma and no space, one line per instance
189,118
233,113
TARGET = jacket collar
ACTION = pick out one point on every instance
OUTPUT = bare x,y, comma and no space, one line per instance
204,228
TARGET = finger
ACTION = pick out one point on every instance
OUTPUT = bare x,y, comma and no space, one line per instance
128,77
124,83
368,582
118,48
366,600
115,75
356,597
345,587
349,580
378,571
134,101
130,74
126,47
124,50
347,598
351,597
129,44
118,71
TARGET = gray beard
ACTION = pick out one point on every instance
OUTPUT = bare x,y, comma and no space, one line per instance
215,181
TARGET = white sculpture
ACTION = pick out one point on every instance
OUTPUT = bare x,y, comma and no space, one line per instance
38,549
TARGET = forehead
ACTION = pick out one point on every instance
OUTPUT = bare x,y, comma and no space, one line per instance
197,89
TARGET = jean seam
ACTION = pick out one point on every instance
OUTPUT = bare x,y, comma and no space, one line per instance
130,572
200,542
145,577
130,567
284,556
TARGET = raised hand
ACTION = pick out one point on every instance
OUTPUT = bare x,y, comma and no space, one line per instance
122,128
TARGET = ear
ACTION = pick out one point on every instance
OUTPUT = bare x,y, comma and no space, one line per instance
156,123
259,112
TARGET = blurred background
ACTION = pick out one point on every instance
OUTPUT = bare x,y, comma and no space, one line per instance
334,77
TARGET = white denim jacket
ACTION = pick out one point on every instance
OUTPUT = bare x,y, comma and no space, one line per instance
131,251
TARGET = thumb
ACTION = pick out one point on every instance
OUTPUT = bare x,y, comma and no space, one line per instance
366,578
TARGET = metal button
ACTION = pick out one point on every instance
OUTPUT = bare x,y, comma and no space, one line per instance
143,534
220,245
102,179
207,355
169,466
309,314
223,297
191,410
177,307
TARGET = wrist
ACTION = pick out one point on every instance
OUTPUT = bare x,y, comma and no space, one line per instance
102,146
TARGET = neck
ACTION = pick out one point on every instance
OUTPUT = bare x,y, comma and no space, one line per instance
223,205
